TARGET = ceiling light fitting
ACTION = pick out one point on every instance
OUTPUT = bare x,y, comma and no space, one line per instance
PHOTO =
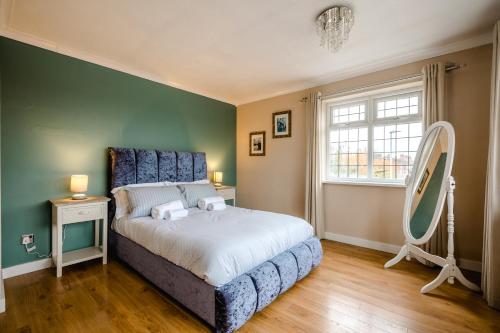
333,26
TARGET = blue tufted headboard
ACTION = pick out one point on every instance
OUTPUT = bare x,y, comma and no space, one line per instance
135,166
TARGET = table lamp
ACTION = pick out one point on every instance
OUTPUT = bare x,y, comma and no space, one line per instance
79,186
218,178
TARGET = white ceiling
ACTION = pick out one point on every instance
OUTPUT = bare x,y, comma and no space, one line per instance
241,51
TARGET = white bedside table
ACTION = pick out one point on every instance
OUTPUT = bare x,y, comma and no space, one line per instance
227,192
68,211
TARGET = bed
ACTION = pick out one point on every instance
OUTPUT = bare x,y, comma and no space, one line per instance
223,266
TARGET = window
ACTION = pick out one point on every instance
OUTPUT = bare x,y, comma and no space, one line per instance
374,137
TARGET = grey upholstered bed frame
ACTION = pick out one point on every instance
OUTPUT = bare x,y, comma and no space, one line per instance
224,308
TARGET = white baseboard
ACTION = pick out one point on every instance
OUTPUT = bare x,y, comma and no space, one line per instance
470,265
28,267
467,264
2,294
384,247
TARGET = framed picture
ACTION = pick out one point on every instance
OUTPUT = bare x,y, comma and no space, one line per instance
258,143
425,177
282,124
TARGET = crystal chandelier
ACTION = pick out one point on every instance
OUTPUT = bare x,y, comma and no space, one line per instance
334,25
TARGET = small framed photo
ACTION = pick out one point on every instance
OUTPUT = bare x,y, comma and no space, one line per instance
425,177
282,124
258,143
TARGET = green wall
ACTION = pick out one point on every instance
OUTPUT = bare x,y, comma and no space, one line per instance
58,116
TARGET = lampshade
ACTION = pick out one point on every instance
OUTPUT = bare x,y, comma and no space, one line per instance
218,177
79,183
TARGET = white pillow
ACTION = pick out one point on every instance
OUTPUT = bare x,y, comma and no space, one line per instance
121,201
198,182
116,189
121,197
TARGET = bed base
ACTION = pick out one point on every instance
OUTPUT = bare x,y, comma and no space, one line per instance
228,307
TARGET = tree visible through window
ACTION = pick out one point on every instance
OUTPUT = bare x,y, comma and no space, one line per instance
374,138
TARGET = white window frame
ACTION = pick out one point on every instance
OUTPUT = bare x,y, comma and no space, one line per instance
370,97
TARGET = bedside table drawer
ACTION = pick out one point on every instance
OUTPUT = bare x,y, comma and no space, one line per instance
83,213
227,194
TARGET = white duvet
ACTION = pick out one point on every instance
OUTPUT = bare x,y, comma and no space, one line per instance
217,246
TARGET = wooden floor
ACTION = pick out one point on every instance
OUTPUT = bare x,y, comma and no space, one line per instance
349,292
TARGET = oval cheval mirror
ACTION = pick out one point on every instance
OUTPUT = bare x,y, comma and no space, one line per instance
430,184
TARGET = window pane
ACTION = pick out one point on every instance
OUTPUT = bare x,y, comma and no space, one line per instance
343,172
362,171
362,159
378,132
402,144
378,146
334,159
343,135
403,105
415,129
414,142
402,102
354,117
402,130
394,155
334,136
344,158
349,152
363,147
348,113
363,133
378,171
390,113
403,111
353,134
353,147
378,159
353,172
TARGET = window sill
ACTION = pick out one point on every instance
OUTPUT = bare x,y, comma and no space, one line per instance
365,183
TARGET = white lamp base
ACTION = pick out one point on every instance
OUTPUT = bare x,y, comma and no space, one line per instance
79,196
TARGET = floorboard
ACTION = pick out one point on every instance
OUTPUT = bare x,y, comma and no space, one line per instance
349,292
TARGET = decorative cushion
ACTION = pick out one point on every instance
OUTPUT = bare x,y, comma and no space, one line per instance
267,284
194,192
316,250
287,268
237,300
200,166
123,167
147,166
143,199
167,166
303,255
235,303
184,167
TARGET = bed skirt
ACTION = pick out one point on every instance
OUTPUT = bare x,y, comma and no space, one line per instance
228,307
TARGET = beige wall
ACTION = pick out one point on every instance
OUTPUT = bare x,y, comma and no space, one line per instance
277,181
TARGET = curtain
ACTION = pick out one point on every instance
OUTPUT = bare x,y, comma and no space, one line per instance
435,110
491,243
314,163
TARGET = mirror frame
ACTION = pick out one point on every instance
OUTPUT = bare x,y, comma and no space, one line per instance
444,185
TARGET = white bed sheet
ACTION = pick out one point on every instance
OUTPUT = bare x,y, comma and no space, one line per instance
217,246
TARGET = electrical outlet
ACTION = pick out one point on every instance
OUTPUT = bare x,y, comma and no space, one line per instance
27,239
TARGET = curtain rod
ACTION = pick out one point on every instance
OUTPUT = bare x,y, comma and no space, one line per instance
448,68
